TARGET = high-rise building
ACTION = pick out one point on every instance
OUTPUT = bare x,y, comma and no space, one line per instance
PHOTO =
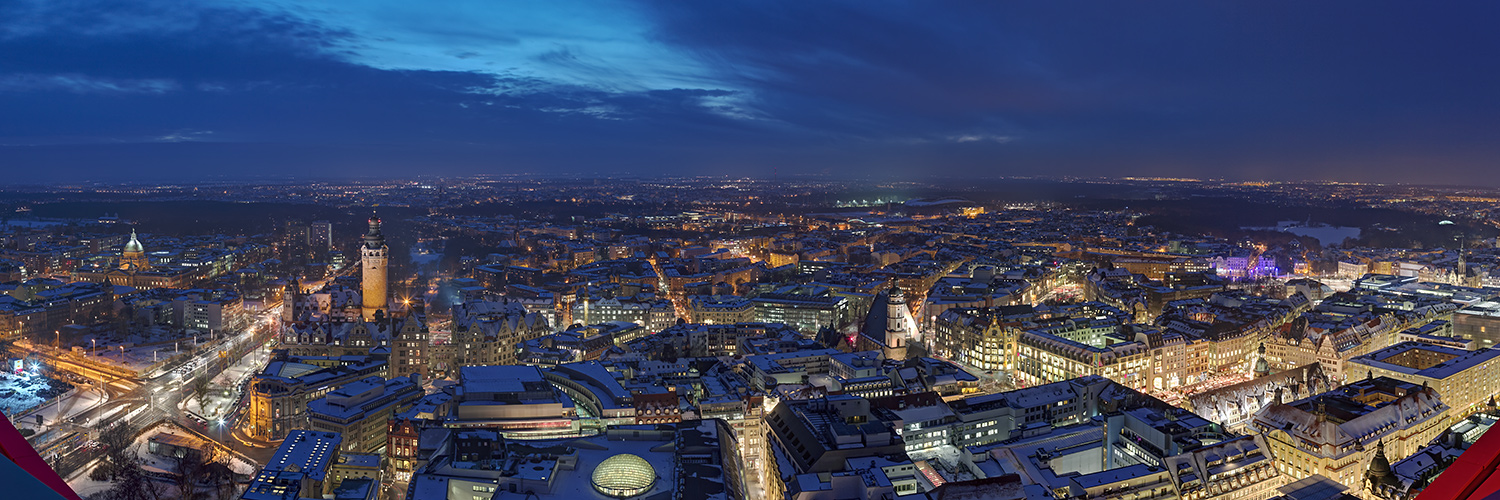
320,235
295,234
373,257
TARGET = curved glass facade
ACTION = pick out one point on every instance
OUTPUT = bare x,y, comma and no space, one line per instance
624,476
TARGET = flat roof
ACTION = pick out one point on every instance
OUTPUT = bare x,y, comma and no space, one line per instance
310,451
499,378
1115,475
1463,359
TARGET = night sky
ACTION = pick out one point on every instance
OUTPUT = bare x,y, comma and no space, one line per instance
184,90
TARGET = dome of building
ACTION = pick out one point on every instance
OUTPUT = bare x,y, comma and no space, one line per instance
624,476
134,245
1380,475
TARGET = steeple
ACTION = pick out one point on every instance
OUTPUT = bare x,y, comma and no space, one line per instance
1262,368
1379,474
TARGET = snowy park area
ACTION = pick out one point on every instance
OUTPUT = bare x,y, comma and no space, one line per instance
154,463
21,393
140,358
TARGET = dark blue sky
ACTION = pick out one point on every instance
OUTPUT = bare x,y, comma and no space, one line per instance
1358,90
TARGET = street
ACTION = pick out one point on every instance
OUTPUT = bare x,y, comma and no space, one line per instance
142,403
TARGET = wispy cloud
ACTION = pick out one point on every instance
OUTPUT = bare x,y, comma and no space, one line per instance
1001,139
85,84
185,136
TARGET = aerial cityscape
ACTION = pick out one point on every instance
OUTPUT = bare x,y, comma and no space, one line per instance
735,250
457,338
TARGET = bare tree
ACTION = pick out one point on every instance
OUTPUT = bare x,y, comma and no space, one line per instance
221,476
190,469
131,481
200,389
117,453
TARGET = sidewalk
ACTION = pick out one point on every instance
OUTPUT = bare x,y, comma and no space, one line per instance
83,400
224,391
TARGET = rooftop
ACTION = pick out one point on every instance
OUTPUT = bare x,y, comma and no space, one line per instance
305,451
1425,360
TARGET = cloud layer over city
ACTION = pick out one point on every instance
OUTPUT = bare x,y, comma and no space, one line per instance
1370,91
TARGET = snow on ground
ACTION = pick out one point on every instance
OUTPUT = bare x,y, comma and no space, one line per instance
111,413
215,403
84,486
948,454
81,400
139,358
224,391
22,393
170,464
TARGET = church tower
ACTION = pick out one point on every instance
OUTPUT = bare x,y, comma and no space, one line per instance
898,323
372,257
895,318
133,258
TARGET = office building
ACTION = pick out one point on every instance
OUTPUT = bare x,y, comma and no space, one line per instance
1336,434
279,394
299,469
360,411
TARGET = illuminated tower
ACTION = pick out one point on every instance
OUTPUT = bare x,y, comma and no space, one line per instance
133,258
372,257
900,329
895,319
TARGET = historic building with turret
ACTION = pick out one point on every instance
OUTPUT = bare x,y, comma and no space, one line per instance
373,258
1337,434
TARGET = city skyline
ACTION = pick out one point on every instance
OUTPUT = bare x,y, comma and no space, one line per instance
731,339
749,250
1368,92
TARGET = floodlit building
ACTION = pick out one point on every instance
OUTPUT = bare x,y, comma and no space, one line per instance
373,255
280,393
720,309
805,308
1336,433
360,410
1465,379
515,400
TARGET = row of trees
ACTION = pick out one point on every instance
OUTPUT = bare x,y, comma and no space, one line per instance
196,477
